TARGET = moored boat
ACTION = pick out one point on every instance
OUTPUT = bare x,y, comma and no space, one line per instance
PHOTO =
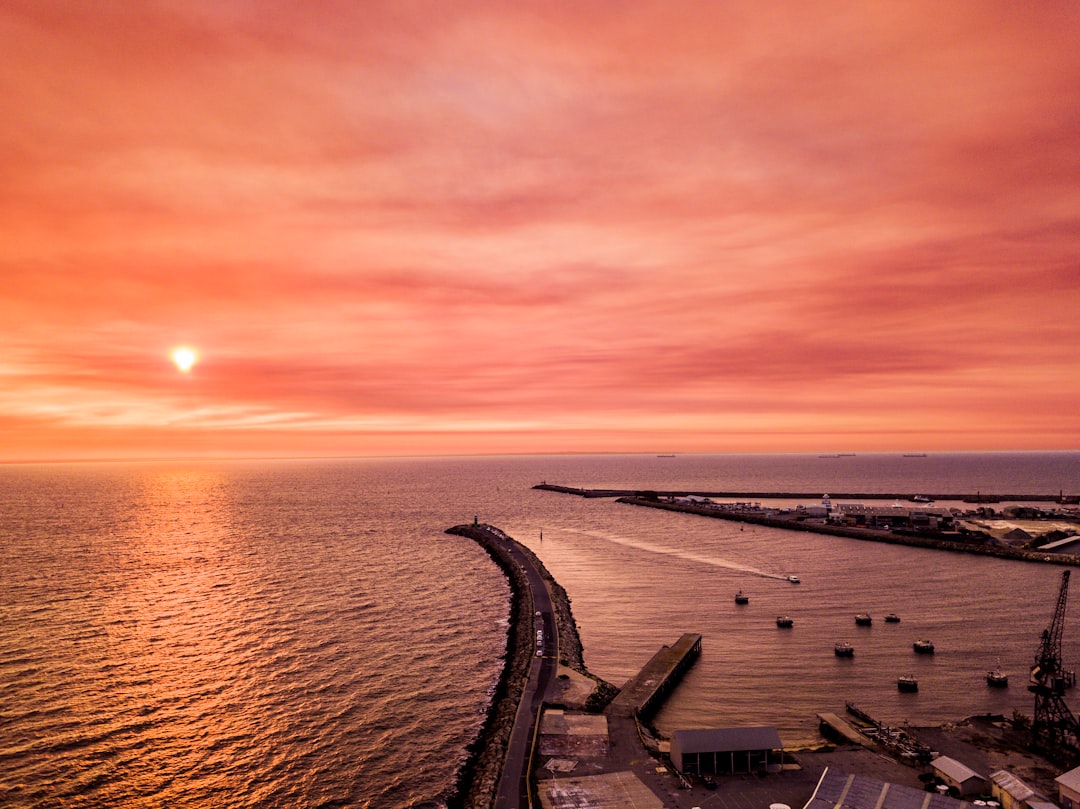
996,678
892,618
907,682
844,649
741,598
863,619
923,647
784,621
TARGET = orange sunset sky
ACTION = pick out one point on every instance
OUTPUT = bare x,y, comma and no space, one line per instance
456,227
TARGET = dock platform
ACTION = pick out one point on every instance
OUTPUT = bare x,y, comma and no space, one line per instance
643,693
840,728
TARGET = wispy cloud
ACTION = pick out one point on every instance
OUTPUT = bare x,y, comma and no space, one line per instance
414,227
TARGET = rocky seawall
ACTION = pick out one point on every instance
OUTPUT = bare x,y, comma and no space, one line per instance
478,778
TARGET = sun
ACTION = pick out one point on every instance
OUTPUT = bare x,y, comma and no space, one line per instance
185,358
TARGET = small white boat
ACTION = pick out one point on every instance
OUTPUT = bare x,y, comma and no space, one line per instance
923,647
793,579
996,678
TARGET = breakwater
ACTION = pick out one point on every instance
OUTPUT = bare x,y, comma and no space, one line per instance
911,539
970,497
478,778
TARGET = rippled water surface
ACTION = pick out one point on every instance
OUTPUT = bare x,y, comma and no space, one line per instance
305,634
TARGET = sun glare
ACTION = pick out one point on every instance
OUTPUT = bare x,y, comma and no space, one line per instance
184,358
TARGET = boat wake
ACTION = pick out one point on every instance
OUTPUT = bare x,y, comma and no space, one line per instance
689,556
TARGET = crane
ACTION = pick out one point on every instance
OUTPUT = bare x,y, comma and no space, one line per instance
1054,730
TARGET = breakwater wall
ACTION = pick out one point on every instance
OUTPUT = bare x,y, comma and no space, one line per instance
478,779
976,497
870,535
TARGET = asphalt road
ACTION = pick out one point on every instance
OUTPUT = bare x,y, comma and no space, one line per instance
512,791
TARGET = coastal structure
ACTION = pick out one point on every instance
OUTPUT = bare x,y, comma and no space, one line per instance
1012,792
841,789
580,745
896,516
1068,784
643,693
907,526
958,776
724,751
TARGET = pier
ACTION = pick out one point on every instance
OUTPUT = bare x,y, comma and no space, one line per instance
643,694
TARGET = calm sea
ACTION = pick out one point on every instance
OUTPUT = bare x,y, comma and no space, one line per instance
241,634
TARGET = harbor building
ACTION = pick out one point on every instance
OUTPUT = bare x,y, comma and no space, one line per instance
894,516
1068,785
1013,793
840,789
958,776
723,751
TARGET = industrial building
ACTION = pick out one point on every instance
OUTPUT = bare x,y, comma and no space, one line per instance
894,516
840,789
723,751
1013,793
1069,789
958,776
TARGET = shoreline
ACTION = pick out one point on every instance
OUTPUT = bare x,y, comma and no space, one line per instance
976,740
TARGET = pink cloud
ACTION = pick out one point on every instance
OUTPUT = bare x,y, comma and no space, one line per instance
421,227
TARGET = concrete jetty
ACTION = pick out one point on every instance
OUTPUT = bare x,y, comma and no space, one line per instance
645,692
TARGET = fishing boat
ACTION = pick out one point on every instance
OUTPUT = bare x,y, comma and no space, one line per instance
996,678
923,647
742,598
863,619
785,621
844,649
907,682
892,618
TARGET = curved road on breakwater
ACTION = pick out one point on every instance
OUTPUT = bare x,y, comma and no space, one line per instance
513,785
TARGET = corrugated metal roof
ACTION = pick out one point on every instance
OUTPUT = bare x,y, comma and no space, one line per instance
1013,785
727,740
839,790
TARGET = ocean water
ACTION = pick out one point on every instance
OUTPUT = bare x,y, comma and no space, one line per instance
304,633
